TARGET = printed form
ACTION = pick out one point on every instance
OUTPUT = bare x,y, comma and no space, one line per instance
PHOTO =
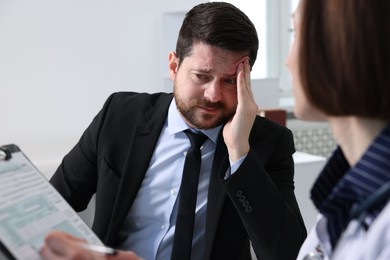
30,207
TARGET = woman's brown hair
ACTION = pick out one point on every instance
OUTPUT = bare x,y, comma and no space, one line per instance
344,56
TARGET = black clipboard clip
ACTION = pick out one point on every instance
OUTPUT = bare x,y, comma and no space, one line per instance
5,153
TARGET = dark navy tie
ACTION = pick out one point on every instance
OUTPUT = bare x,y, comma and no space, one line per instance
182,242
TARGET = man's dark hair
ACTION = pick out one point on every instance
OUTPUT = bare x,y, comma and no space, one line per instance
218,24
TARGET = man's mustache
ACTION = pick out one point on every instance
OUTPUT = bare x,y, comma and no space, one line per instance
209,104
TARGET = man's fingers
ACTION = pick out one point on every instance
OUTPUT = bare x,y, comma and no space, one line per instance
244,88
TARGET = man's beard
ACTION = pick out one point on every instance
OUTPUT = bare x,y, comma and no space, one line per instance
202,120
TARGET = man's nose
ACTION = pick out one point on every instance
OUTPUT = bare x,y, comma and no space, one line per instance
213,91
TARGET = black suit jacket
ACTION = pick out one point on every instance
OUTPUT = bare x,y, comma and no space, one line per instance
257,203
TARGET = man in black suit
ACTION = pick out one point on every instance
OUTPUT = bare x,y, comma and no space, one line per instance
131,155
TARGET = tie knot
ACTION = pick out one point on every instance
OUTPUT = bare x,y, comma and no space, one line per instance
196,139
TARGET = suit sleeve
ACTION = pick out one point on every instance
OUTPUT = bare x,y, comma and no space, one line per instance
262,191
76,177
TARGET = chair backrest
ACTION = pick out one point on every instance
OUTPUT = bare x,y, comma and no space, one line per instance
276,115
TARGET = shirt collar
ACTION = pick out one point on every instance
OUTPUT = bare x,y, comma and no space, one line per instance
339,187
374,163
177,124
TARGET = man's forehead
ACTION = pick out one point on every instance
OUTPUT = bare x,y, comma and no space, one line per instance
225,73
211,63
200,49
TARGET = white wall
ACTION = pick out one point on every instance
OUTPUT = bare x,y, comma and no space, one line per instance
59,60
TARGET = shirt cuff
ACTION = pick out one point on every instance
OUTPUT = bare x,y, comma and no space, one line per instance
234,166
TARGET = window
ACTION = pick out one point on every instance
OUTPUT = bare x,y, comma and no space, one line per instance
256,11
272,19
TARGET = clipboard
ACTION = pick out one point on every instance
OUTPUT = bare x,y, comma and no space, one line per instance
30,207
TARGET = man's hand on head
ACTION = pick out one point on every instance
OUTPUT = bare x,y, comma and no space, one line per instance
236,131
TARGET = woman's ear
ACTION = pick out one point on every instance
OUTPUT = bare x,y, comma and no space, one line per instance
173,65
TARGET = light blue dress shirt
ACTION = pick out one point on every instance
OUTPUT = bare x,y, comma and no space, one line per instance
150,224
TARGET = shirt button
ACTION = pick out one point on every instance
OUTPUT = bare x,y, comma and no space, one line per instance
162,226
173,192
185,153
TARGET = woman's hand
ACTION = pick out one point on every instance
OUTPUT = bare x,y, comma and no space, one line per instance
61,246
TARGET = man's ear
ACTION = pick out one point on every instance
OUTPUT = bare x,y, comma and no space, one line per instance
173,65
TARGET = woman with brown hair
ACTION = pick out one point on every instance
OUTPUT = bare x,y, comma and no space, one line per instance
340,61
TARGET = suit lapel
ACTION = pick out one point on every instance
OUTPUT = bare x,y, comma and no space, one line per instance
139,154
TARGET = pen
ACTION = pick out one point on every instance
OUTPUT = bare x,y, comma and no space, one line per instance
100,249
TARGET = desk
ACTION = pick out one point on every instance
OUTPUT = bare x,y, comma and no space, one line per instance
307,168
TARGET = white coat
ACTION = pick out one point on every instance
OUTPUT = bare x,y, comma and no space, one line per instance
355,243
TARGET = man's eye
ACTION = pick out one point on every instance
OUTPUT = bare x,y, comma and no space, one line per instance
201,76
231,81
